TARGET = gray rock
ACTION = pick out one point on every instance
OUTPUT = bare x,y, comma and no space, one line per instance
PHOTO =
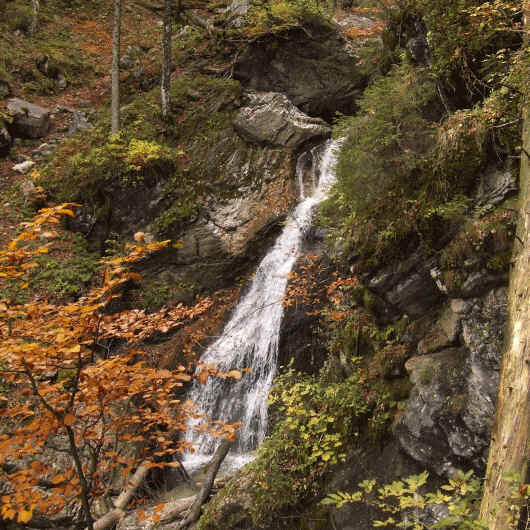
460,306
79,122
415,294
448,417
432,431
29,120
24,167
270,118
407,285
418,48
483,333
5,141
450,323
495,185
237,11
443,333
130,58
436,275
60,82
476,283
316,72
5,89
43,150
483,328
353,20
480,281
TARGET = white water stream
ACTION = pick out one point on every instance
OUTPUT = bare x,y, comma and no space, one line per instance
250,338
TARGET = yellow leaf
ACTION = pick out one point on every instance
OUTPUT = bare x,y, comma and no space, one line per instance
24,516
235,374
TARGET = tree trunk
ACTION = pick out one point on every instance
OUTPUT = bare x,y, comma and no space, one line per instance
509,449
35,7
166,60
115,75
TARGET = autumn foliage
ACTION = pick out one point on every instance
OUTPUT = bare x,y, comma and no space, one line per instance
76,420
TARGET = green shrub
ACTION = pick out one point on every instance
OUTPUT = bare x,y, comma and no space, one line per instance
313,422
404,502
19,16
278,15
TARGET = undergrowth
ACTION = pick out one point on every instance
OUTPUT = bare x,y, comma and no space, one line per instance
183,156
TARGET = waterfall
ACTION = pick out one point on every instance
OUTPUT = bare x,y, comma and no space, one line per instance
251,336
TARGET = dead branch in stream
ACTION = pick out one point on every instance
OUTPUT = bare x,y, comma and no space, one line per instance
203,495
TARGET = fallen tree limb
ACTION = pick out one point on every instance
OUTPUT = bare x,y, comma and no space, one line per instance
178,508
214,466
114,516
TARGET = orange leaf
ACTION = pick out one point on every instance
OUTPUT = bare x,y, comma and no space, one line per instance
69,419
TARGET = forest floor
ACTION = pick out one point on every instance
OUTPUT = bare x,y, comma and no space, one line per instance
87,35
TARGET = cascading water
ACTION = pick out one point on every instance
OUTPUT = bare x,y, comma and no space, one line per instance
250,338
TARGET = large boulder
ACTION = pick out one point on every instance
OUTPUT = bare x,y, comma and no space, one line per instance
447,421
432,430
270,118
29,120
313,66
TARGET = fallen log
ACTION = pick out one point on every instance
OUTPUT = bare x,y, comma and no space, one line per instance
114,516
177,509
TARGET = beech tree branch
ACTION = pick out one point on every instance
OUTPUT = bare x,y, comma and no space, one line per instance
215,464
112,517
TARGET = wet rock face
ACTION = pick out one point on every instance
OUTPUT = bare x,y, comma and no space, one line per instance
408,286
448,418
270,118
431,430
225,237
495,186
317,74
29,120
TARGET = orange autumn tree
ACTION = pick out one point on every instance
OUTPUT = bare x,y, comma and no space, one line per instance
75,422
